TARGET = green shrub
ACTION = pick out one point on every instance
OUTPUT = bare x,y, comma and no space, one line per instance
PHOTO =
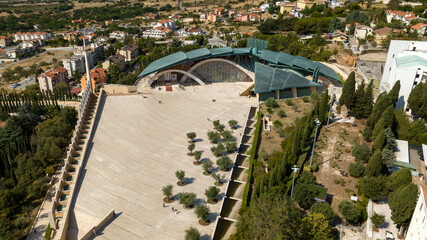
271,102
305,99
269,110
281,113
356,169
48,232
289,102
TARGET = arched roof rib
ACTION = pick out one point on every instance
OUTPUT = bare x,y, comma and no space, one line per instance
198,54
274,58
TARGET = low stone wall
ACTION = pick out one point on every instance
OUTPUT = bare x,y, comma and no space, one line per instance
250,115
83,111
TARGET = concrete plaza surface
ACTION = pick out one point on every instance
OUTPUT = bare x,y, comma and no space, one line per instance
138,145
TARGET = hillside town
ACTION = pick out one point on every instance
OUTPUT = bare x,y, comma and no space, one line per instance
302,119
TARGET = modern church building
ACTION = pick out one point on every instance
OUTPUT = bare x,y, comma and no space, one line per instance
274,74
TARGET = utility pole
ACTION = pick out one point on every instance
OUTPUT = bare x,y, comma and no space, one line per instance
314,141
295,169
330,108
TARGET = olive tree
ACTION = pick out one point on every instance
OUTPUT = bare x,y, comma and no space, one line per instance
233,124
213,136
377,219
212,194
191,136
180,174
202,212
167,191
192,234
207,166
197,156
187,199
218,178
223,163
190,148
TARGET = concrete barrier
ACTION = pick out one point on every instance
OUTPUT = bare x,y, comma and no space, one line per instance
105,220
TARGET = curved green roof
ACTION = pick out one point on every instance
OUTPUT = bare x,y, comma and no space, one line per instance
279,58
270,79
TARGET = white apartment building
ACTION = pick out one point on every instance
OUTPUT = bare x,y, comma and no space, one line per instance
120,35
407,62
32,35
406,17
418,227
74,63
156,32
77,61
362,31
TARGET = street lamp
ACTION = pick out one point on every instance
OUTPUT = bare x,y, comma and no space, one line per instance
330,108
295,169
314,141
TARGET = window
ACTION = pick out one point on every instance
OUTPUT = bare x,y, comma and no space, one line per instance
389,69
393,55
421,207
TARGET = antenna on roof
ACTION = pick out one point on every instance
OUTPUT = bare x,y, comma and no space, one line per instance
88,79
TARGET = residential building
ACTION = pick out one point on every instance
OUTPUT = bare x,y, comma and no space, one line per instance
213,18
339,36
335,3
405,63
50,78
362,31
101,40
152,16
98,77
420,28
130,52
5,41
71,35
287,7
255,10
32,35
120,35
242,18
264,7
74,63
219,11
167,24
304,3
77,61
186,32
117,59
254,17
84,39
418,225
156,32
405,17
382,33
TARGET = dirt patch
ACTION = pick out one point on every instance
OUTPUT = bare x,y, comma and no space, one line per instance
270,140
333,153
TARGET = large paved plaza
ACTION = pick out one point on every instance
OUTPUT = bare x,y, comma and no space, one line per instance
138,145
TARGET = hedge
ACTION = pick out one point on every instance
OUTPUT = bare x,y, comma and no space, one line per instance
252,160
48,232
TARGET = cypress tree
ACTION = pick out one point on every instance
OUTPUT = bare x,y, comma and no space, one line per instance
379,141
382,103
369,100
262,186
273,178
359,106
414,99
296,143
306,133
375,165
394,93
323,110
284,167
257,190
348,92
316,108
